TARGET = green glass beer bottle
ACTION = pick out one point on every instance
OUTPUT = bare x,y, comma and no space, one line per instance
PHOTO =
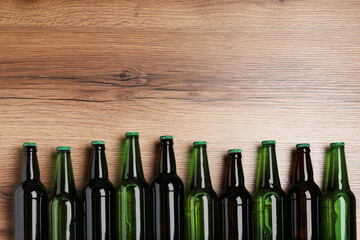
338,208
201,200
269,199
30,199
133,195
168,196
304,197
64,204
99,198
235,202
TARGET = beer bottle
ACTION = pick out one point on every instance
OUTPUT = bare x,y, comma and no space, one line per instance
304,196
338,206
64,204
201,200
269,199
168,196
133,195
99,199
235,202
30,199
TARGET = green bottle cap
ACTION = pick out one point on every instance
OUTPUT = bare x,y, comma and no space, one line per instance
97,143
29,144
337,144
235,151
302,145
267,142
63,148
200,143
128,134
168,137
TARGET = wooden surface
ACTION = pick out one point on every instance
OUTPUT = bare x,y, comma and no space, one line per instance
232,73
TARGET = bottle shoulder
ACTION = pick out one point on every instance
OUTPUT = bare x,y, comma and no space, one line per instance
100,186
262,192
63,198
201,191
135,183
333,194
30,187
236,194
304,187
167,181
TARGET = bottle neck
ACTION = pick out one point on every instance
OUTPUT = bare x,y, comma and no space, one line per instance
337,173
98,167
201,174
235,176
64,182
268,171
30,165
133,167
303,169
167,157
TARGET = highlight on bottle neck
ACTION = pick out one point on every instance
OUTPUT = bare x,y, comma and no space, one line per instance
167,156
98,167
235,175
201,175
303,167
64,182
30,165
133,165
336,173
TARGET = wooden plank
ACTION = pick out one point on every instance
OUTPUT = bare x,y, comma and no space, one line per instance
233,73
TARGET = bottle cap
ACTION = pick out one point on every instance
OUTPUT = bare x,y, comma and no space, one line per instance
200,143
267,142
29,144
63,148
302,145
168,137
337,144
128,134
97,143
235,151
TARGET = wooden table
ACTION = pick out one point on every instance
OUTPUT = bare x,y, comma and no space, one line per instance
232,73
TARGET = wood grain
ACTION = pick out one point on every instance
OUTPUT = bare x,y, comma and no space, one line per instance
233,73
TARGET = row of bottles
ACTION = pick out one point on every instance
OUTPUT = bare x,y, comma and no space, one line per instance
161,211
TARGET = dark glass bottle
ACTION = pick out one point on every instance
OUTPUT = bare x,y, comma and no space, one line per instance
338,207
269,199
133,195
64,204
304,196
168,196
30,199
99,198
235,202
201,201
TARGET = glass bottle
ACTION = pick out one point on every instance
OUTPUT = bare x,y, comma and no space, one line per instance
99,198
235,202
30,199
133,195
201,201
269,199
338,207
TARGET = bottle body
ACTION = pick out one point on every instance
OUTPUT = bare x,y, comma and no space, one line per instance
304,197
132,210
99,198
201,201
269,200
30,200
133,196
236,205
65,211
168,208
64,217
235,202
304,209
167,196
338,207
